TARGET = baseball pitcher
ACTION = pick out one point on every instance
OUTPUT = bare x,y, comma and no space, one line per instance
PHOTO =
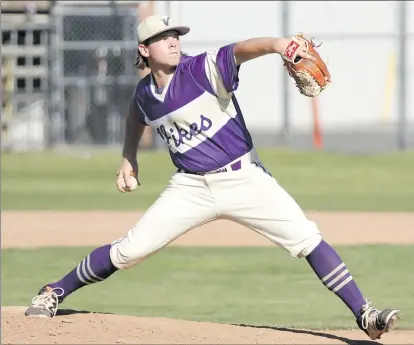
190,103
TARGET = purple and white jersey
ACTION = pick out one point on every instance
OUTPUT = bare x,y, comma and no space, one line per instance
197,114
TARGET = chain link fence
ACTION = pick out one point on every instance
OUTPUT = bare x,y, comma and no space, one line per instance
97,50
78,65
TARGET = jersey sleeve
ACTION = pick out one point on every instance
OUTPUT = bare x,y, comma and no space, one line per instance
222,71
216,72
140,114
135,108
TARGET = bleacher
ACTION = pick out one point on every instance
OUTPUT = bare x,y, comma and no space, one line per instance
50,57
25,27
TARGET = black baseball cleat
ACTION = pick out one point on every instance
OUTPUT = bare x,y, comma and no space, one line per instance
45,304
375,322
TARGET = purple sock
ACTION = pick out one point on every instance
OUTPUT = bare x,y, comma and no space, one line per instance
95,267
333,273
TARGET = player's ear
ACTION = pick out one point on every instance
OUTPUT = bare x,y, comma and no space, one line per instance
143,49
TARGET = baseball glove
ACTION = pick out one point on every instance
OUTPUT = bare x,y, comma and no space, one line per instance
311,77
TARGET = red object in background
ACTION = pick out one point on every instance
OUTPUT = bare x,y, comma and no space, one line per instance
317,135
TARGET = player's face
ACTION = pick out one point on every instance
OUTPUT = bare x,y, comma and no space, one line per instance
165,49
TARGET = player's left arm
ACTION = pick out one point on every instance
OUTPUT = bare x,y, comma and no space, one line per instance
256,47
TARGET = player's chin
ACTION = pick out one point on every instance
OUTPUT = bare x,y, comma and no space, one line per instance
173,60
174,64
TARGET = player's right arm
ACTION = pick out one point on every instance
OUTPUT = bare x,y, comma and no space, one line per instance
134,129
222,67
256,47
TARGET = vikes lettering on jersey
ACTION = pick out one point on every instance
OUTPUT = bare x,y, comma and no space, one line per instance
193,123
184,136
197,114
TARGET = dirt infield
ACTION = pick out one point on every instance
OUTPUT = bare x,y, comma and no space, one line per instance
40,229
90,328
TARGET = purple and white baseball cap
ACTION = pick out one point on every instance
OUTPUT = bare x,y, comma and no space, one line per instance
155,25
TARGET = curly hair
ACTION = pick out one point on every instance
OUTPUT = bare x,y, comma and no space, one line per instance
141,62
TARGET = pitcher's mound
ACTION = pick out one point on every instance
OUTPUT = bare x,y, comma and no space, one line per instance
81,327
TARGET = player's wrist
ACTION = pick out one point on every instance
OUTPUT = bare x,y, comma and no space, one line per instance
280,44
129,157
129,151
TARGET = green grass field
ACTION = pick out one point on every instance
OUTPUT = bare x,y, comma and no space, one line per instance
319,181
260,286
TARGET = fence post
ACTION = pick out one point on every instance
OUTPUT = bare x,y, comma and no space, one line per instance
285,77
402,118
57,85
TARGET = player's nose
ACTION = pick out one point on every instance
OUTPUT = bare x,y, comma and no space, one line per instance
172,42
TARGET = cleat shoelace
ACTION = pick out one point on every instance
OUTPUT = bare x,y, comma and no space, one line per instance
369,313
48,300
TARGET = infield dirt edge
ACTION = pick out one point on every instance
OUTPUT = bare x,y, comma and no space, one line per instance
49,228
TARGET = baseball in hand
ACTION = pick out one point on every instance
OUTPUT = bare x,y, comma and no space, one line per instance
133,183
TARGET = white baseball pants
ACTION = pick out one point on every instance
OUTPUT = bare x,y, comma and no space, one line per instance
249,196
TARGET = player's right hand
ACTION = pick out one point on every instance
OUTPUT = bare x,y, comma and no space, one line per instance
128,168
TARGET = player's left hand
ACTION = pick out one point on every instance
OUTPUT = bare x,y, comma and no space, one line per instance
305,66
